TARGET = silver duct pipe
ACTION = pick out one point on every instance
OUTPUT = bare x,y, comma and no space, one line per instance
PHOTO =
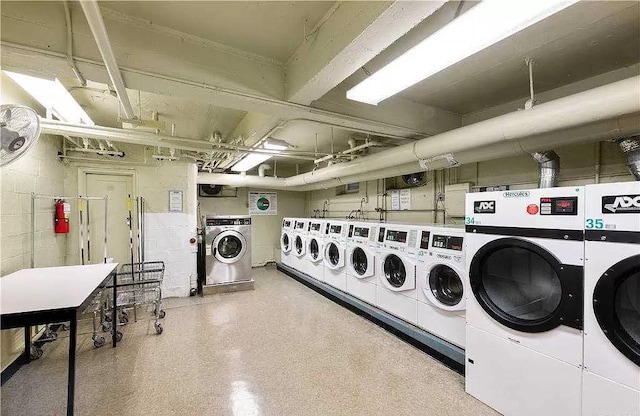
631,148
548,168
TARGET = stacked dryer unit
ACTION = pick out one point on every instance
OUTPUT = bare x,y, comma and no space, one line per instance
315,246
299,243
524,340
286,242
441,275
611,377
396,271
335,263
361,261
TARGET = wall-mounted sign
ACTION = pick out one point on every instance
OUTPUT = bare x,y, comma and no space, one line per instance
263,203
175,201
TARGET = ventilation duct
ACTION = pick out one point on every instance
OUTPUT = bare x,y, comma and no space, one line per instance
631,149
548,168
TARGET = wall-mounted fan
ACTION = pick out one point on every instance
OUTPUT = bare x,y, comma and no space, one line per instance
19,131
414,179
206,190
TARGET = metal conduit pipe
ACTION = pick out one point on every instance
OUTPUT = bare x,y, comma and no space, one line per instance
94,18
72,64
548,168
631,149
262,168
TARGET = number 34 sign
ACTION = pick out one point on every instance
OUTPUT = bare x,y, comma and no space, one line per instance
263,203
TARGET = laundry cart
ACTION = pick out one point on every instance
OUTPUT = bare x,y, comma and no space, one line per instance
139,290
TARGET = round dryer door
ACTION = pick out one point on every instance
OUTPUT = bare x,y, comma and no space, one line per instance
299,246
616,304
285,243
360,262
525,287
229,246
446,285
395,272
333,256
314,249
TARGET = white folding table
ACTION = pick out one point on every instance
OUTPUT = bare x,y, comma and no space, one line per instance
54,294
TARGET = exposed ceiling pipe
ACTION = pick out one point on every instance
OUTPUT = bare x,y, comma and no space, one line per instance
262,168
606,112
72,64
548,168
631,149
94,18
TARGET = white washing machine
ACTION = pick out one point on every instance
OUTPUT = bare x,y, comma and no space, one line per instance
227,249
315,245
286,242
524,252
441,276
611,378
396,289
361,261
299,244
335,270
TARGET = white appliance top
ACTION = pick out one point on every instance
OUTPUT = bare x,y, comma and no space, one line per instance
613,207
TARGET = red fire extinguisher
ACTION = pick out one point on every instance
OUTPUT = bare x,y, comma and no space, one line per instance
63,210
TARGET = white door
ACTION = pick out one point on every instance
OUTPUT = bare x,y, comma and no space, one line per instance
117,188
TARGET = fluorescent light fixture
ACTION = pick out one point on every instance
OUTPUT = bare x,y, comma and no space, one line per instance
53,96
254,159
484,25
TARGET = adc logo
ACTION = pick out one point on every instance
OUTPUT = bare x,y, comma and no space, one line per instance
621,204
484,207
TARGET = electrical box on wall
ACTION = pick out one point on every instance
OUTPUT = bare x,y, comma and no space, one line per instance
454,196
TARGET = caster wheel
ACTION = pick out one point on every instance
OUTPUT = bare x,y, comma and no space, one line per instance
124,319
119,336
106,327
36,352
65,327
107,318
98,342
162,314
159,329
193,291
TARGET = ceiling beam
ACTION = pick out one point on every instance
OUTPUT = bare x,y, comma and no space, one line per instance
349,36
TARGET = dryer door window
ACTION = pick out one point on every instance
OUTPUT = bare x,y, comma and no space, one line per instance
286,244
446,285
616,304
394,270
314,249
359,261
525,287
299,244
229,246
333,254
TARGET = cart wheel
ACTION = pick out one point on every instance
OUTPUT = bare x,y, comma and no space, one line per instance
107,318
98,342
119,336
159,328
124,319
36,352
106,326
125,313
193,291
162,314
65,327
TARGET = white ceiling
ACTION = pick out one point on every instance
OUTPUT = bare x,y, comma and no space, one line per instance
272,29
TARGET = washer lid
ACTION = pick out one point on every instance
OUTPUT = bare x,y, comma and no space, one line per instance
229,246
616,305
524,287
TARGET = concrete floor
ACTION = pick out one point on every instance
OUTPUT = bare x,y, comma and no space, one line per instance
279,350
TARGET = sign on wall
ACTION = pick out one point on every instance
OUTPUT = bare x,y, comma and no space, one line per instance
263,203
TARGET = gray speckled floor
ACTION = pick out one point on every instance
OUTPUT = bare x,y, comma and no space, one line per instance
279,350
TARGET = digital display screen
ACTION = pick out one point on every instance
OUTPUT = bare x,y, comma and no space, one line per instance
315,226
361,232
559,206
381,235
448,242
287,223
336,229
424,240
397,236
299,225
564,205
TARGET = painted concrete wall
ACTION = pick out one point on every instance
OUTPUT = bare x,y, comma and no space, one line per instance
38,171
577,168
265,244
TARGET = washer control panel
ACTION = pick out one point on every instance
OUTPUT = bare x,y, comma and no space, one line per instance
559,206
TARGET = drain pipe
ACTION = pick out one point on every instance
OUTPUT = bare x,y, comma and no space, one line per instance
548,168
631,148
262,168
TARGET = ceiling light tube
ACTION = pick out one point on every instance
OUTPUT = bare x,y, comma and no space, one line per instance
254,159
484,25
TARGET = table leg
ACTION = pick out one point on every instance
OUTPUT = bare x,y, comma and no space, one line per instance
27,344
71,384
114,318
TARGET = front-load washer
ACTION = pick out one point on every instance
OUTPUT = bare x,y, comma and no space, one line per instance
396,289
441,276
361,261
227,249
524,254
315,245
335,272
286,242
611,377
299,243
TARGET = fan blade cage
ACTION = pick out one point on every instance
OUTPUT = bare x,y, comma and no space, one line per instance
19,132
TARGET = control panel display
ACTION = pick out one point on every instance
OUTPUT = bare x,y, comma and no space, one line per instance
315,226
397,236
361,232
286,224
228,221
559,206
381,235
424,240
448,242
335,229
299,225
